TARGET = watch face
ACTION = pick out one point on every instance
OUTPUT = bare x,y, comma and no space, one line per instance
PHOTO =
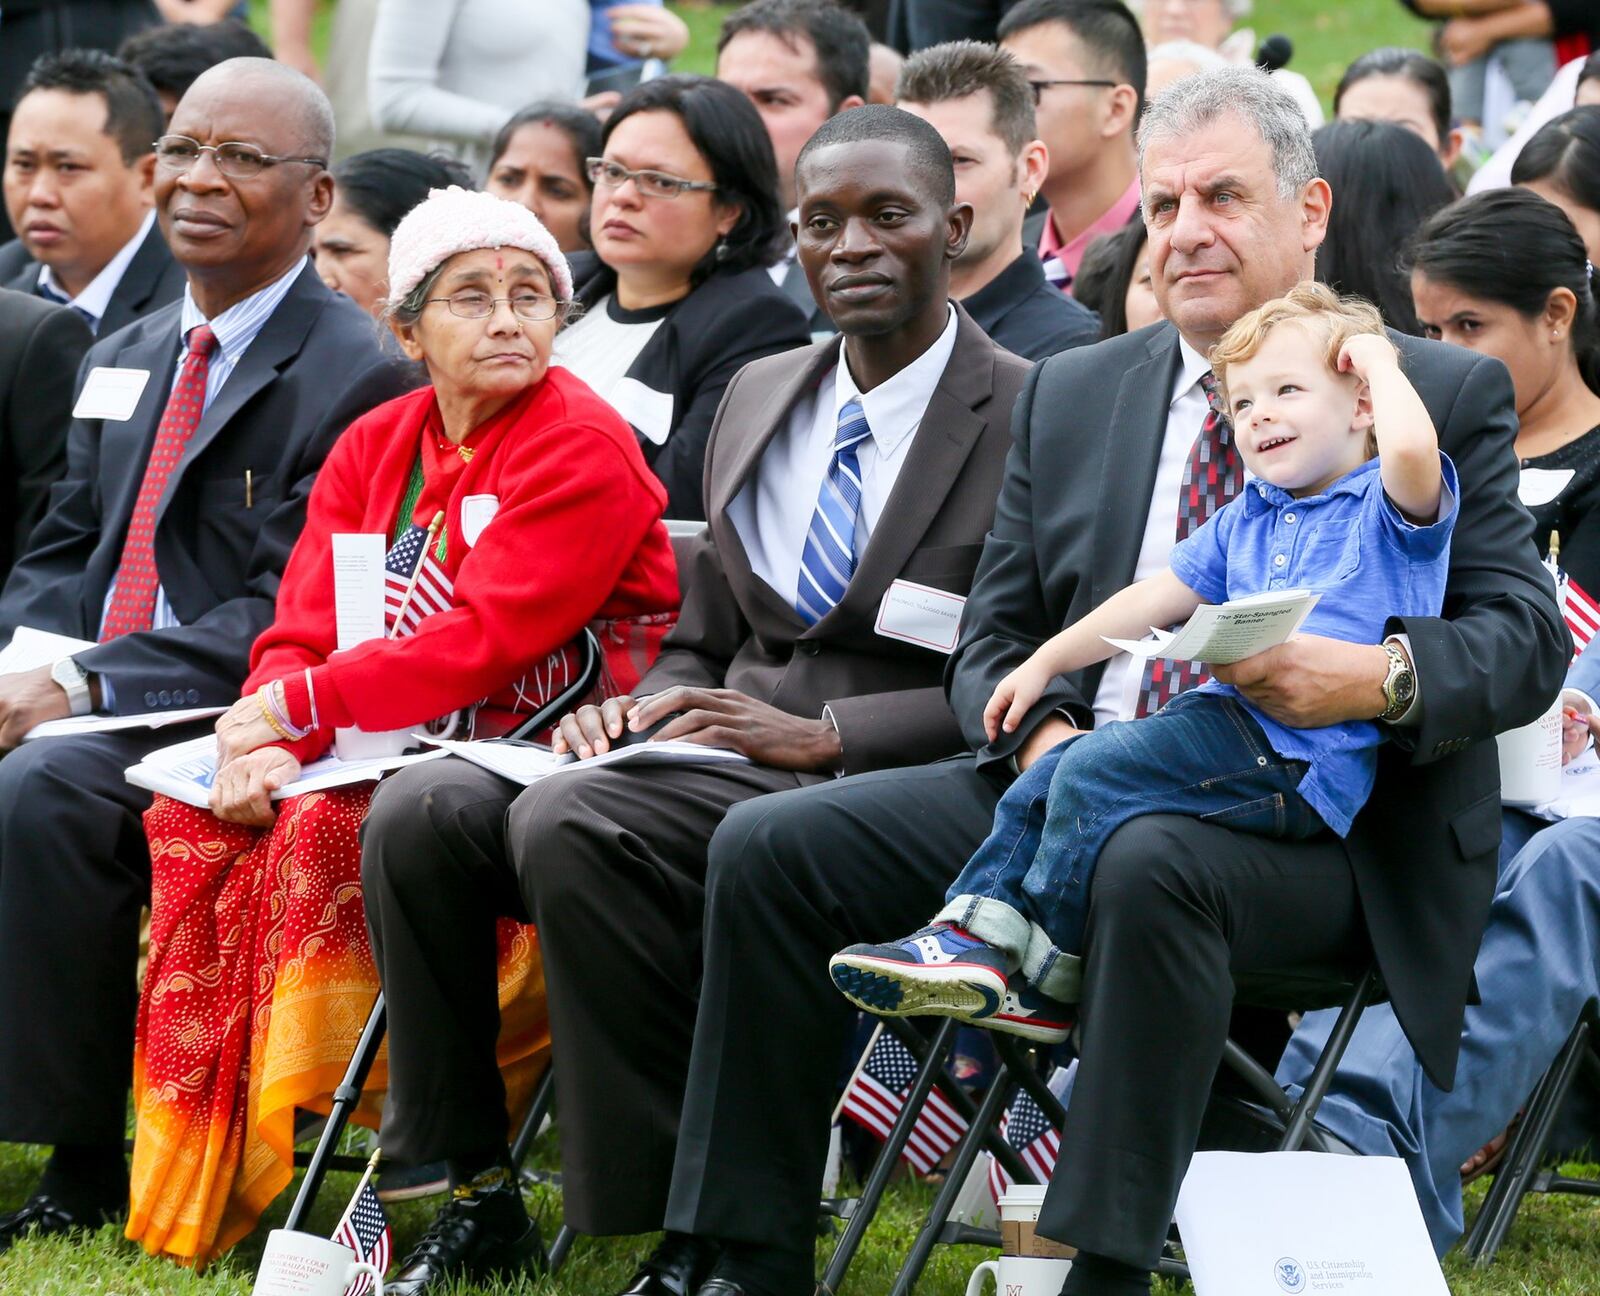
1405,686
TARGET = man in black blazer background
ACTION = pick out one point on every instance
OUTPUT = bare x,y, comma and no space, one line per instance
40,347
78,189
1103,438
171,560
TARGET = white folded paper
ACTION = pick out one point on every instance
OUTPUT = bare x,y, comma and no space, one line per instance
30,649
93,724
185,771
528,764
1221,633
1270,1223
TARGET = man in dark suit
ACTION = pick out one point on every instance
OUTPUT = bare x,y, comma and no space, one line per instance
786,651
1106,439
800,62
164,542
40,347
78,176
976,97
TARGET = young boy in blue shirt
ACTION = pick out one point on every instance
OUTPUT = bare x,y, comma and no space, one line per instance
1314,389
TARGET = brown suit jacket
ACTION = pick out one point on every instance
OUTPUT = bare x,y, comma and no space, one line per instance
735,631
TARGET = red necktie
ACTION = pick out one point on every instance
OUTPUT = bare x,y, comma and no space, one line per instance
1214,475
133,600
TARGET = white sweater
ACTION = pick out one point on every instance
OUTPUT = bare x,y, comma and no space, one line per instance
455,70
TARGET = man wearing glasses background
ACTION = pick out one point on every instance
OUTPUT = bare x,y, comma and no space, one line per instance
1085,60
186,482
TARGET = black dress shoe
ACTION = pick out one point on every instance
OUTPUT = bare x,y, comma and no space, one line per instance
43,1216
477,1236
677,1267
720,1287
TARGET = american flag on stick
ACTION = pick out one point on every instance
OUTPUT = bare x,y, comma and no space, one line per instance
1026,1128
877,1091
414,584
1578,609
365,1230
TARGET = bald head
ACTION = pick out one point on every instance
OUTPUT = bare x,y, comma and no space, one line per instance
287,99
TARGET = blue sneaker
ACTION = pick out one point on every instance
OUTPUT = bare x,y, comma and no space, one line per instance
940,971
1024,1011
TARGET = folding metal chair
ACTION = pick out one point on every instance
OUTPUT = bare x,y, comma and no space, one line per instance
1522,1171
1300,990
324,1156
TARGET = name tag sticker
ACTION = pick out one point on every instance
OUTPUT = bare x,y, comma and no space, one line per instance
1539,486
111,394
648,410
921,615
477,511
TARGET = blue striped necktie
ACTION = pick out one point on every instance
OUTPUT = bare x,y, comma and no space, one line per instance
829,558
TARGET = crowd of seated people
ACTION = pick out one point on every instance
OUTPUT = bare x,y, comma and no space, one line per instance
854,351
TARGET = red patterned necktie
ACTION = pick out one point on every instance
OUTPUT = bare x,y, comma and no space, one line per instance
133,600
1212,477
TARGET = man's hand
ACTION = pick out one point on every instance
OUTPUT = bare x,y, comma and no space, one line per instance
1311,681
590,730
29,698
1051,733
725,718
242,792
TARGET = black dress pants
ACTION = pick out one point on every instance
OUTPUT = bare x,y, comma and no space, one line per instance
610,865
1177,907
74,875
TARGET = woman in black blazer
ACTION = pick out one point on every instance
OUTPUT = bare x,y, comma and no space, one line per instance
678,297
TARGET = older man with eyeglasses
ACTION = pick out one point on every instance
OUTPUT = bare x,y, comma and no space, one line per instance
187,477
1085,62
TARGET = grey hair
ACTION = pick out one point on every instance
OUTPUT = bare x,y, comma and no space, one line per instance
1201,57
1194,102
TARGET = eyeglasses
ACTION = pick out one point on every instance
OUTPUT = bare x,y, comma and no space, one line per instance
1039,87
235,160
650,184
480,305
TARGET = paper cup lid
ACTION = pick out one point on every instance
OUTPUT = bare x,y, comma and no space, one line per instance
1024,1195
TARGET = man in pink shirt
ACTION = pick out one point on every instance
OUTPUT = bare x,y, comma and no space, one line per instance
1085,60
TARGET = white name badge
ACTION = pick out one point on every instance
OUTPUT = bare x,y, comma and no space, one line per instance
111,394
477,511
647,409
1538,486
921,615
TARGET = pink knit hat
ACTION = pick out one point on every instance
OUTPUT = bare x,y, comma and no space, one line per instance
461,220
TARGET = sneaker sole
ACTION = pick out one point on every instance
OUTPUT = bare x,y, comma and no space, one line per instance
968,992
1029,1029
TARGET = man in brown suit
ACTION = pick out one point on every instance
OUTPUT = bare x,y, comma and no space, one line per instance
788,650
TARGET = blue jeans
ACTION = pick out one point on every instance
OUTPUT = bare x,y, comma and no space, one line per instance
1538,970
1528,62
1026,890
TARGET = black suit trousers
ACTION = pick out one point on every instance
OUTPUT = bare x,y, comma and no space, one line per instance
74,875
610,864
1177,907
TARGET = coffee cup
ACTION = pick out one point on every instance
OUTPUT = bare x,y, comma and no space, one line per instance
357,744
1530,760
1019,1216
302,1264
1021,1276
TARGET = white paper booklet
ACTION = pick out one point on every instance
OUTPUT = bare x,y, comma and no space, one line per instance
527,764
1270,1223
1220,633
30,649
186,770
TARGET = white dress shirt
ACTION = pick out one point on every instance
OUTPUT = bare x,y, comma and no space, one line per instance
779,270
95,298
772,512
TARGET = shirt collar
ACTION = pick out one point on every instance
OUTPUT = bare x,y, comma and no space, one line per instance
96,295
1192,367
1111,220
236,327
1260,496
895,407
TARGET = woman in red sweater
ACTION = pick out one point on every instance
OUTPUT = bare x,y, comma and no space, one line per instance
532,514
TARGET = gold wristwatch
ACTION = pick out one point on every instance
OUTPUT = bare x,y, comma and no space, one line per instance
1399,685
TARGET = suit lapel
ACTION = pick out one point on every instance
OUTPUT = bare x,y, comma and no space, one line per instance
1131,455
139,280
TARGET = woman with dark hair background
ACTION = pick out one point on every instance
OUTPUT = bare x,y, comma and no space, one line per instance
1114,281
685,222
537,160
1505,273
1562,165
1388,181
372,192
1403,86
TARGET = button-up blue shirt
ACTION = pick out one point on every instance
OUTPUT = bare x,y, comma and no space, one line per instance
1351,545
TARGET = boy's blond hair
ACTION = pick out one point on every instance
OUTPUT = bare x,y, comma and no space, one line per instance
1313,304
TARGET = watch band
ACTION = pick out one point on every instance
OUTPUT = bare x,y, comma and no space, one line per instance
1398,703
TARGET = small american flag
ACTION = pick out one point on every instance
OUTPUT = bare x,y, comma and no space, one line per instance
1582,614
1025,1127
433,591
877,1092
365,1230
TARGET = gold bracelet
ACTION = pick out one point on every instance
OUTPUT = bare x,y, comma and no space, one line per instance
266,714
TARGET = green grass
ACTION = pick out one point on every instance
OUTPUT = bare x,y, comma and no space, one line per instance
1551,1251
